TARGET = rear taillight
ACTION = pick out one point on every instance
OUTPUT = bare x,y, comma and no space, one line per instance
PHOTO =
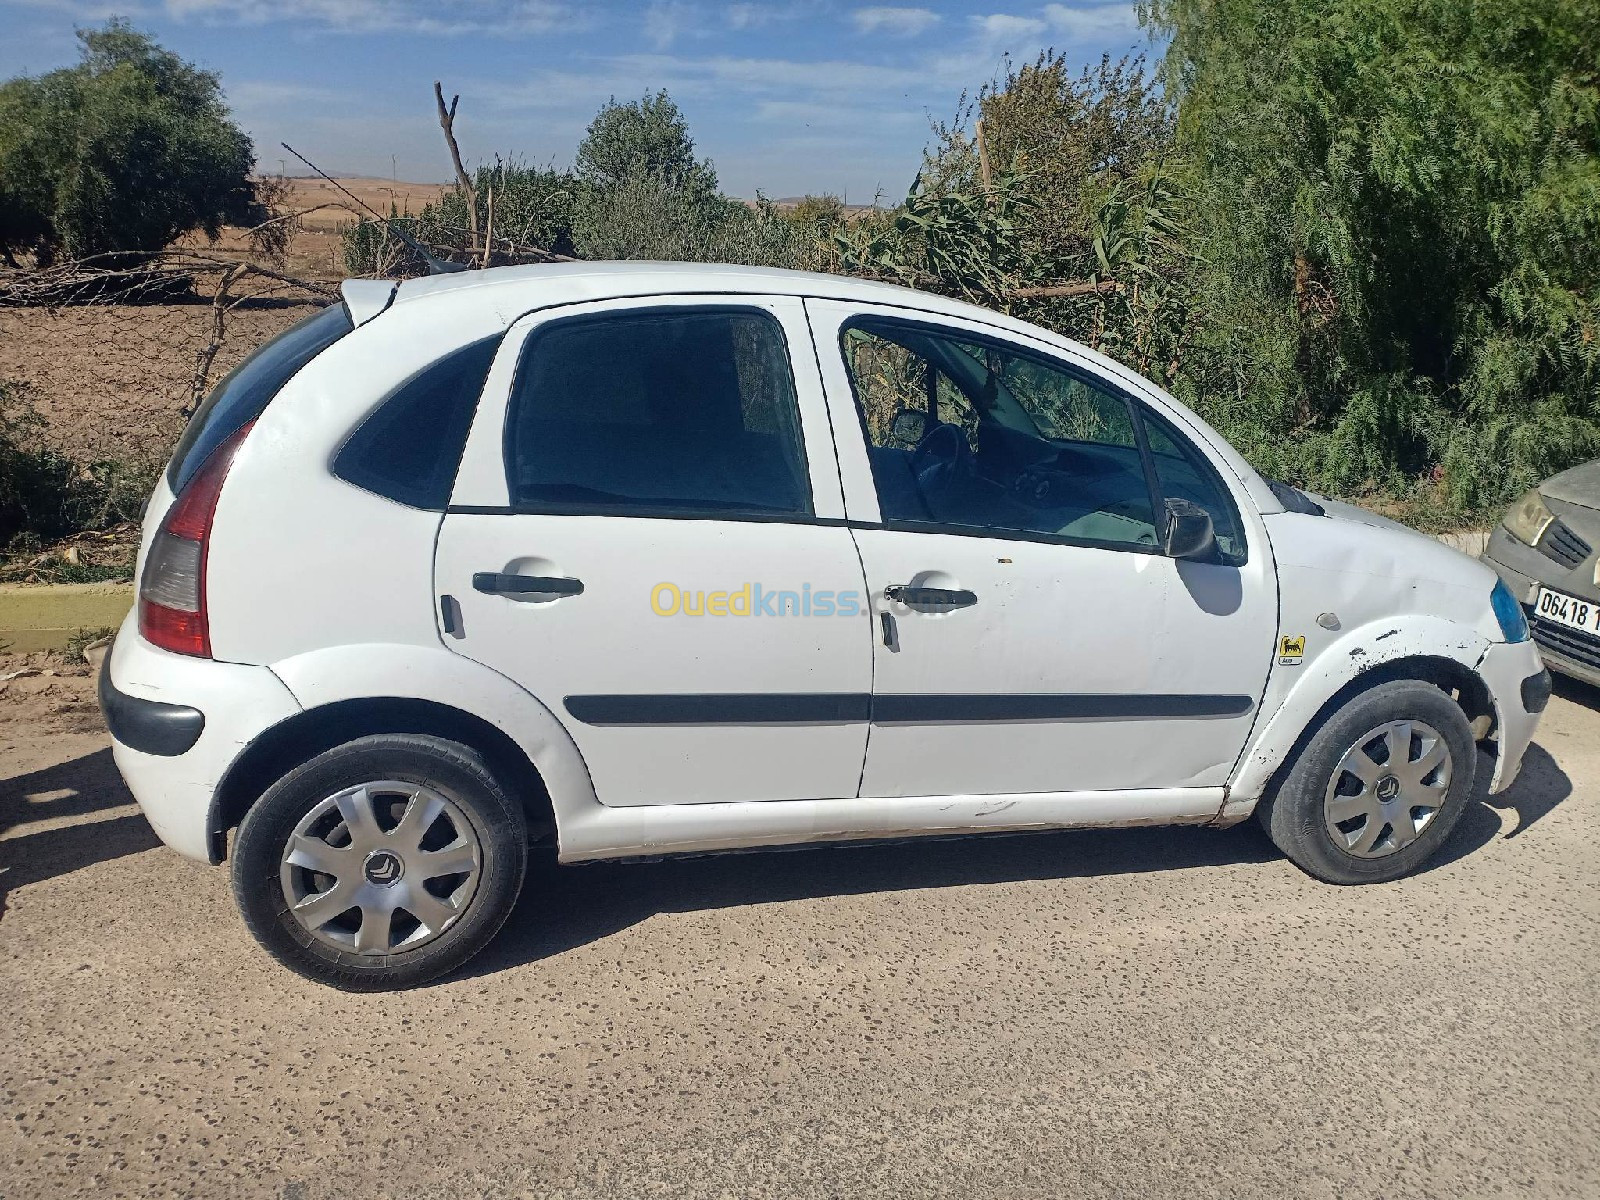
172,590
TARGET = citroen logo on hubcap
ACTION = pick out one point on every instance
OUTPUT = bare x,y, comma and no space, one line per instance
383,867
1388,788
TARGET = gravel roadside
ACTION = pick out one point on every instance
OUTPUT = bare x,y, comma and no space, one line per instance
1145,1012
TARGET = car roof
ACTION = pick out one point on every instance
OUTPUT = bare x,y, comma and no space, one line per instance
546,283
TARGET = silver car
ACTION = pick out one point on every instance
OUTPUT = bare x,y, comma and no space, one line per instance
1545,550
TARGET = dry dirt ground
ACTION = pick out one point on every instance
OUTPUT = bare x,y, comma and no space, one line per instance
112,381
1140,1013
317,251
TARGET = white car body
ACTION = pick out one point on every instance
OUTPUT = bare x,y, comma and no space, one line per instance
330,609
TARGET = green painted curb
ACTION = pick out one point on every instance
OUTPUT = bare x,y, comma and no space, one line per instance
44,616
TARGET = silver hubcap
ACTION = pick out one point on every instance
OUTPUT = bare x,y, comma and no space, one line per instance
380,867
1387,789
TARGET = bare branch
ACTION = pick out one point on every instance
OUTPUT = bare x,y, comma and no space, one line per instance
983,156
303,212
488,228
121,278
1080,287
208,354
447,122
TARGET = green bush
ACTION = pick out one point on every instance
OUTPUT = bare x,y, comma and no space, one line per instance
642,193
532,208
45,494
128,150
1394,223
637,191
645,218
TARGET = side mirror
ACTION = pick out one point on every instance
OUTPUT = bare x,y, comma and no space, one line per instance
910,425
1189,532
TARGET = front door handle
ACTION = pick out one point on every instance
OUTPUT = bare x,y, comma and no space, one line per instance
927,598
493,583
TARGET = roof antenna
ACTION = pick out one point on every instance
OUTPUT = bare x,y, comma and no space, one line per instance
436,266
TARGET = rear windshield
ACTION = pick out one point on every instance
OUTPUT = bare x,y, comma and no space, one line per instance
246,391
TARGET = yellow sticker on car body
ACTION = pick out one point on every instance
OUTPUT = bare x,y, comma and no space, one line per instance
1291,650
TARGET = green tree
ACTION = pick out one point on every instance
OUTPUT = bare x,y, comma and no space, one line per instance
1396,229
1049,195
646,138
643,194
127,150
1071,139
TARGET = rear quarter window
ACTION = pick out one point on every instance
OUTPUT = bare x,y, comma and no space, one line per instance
245,391
410,447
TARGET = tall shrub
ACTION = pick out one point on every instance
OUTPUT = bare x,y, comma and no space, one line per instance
1396,227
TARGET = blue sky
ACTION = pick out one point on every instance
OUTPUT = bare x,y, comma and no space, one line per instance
786,96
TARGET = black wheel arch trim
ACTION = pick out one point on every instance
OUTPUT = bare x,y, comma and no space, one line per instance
304,735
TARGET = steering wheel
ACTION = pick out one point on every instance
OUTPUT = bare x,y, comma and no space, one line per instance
941,456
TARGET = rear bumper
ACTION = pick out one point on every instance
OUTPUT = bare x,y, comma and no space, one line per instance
148,726
177,725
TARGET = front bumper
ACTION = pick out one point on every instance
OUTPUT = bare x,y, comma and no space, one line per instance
1525,570
1512,671
155,702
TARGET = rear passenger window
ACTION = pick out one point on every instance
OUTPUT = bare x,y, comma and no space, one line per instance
671,410
409,449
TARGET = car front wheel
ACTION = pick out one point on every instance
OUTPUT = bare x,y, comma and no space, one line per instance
381,863
1378,788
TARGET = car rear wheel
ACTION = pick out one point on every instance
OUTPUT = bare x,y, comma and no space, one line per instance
1378,788
381,863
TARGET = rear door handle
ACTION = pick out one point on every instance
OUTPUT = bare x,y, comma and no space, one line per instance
494,584
937,599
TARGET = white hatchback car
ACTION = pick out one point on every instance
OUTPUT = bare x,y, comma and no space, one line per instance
651,559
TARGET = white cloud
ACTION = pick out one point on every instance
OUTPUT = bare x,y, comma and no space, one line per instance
371,16
709,76
832,116
753,16
664,23
896,22
1085,22
90,10
1004,27
268,93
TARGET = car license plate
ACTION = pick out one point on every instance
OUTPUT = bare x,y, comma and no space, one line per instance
1568,610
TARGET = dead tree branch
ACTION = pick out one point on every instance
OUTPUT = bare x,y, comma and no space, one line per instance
143,278
984,173
447,122
488,227
220,307
1080,287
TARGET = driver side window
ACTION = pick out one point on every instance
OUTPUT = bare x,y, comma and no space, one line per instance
891,379
1006,442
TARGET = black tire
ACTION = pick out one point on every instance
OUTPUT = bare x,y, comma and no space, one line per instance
452,770
1293,816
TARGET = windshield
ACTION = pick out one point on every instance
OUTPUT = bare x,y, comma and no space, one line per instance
245,392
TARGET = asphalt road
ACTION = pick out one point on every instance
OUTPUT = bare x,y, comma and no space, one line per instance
1150,1012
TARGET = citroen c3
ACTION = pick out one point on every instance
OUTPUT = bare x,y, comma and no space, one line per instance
648,559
